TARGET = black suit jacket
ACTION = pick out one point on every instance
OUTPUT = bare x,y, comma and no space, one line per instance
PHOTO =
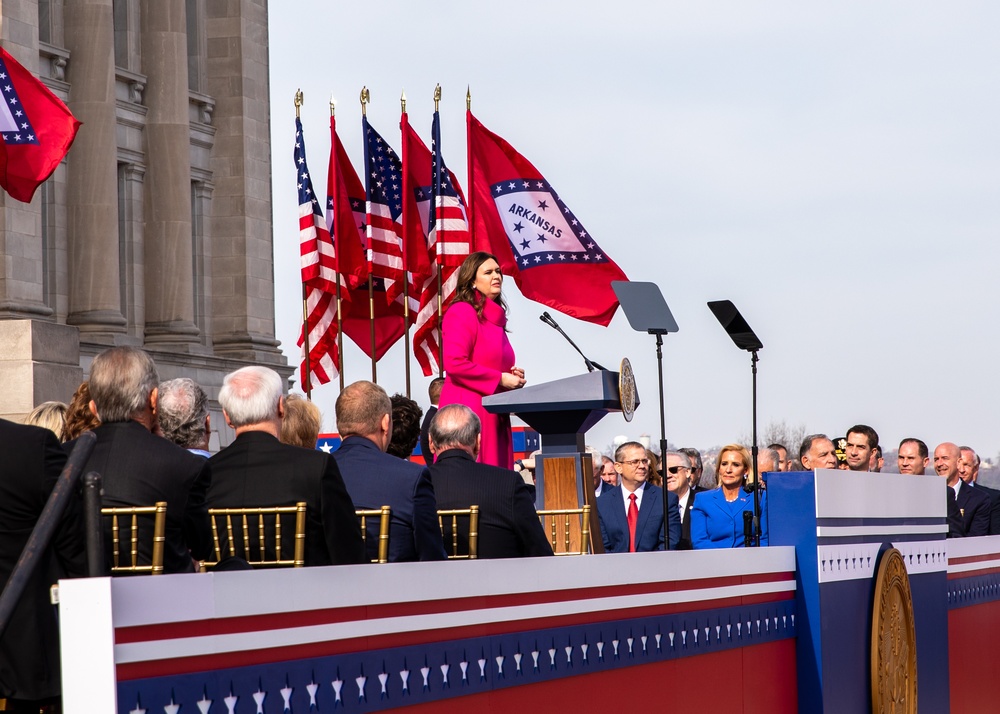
29,649
994,497
425,441
258,470
375,479
685,541
974,506
508,524
139,469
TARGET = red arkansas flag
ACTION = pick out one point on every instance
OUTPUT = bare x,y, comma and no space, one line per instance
519,218
36,127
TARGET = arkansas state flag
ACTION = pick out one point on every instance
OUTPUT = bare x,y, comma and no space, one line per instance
36,127
518,217
388,319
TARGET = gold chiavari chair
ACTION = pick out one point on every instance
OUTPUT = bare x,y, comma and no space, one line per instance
448,522
564,517
255,538
383,514
131,514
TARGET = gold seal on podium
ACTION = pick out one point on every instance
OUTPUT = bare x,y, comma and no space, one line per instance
894,644
626,389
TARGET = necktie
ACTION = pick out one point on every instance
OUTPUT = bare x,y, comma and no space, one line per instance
633,519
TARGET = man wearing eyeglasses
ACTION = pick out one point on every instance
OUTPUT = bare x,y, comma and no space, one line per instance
678,483
631,514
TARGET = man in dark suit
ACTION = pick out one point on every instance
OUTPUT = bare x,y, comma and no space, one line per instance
139,468
968,471
434,393
508,524
258,470
631,514
29,649
678,475
375,479
973,505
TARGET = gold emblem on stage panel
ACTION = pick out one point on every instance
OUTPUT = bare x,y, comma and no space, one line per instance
894,644
626,389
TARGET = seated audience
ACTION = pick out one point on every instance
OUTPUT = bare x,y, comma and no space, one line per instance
608,473
139,468
631,514
508,524
182,415
600,486
29,648
375,478
717,517
434,394
697,469
48,415
784,463
406,415
973,506
968,471
817,452
302,422
79,416
258,470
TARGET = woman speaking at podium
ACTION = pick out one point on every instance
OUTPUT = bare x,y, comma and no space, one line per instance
478,358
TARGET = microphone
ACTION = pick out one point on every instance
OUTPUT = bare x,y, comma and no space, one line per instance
591,366
748,534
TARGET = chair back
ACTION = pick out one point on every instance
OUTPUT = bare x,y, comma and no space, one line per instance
561,524
448,522
256,534
126,518
383,514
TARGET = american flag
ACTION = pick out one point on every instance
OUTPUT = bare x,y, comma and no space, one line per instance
318,277
448,243
384,186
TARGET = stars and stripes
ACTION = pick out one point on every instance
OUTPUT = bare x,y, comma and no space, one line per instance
384,230
318,278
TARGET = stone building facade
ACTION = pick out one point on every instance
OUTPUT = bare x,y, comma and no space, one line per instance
156,229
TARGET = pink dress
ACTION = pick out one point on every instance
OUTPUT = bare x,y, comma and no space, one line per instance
476,353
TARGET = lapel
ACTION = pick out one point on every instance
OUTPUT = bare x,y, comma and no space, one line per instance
618,515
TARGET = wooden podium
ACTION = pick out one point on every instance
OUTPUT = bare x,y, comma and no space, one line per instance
561,412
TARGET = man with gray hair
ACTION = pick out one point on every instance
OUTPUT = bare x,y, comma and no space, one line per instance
138,468
375,478
508,524
968,471
817,452
678,476
183,416
695,474
258,470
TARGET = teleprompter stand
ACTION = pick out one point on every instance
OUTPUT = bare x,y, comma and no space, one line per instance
647,311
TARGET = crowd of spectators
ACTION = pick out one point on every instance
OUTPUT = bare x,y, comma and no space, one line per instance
152,444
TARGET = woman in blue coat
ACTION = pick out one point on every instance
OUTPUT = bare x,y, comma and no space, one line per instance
717,515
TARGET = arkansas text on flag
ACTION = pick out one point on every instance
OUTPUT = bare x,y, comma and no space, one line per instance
519,218
36,130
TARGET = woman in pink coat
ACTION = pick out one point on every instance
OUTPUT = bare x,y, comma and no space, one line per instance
478,358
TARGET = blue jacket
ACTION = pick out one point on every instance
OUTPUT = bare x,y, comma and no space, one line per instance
649,527
716,523
375,479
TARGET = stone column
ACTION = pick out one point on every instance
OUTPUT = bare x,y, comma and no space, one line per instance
92,192
242,262
169,277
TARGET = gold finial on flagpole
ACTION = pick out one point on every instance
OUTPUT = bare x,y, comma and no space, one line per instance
298,102
437,96
365,98
402,101
468,98
333,105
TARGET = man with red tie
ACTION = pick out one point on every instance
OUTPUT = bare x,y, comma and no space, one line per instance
631,513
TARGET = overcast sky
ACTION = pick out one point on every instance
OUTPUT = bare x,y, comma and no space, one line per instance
833,170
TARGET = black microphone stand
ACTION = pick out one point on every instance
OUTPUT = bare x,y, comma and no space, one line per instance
591,366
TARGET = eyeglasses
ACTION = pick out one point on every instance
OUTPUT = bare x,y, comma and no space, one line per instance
635,462
675,469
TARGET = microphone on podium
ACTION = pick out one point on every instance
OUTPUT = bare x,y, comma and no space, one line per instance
591,366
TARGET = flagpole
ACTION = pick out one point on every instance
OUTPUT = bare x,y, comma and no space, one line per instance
336,242
306,378
437,238
403,120
365,98
468,180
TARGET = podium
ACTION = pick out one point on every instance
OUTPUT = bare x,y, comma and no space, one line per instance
561,412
